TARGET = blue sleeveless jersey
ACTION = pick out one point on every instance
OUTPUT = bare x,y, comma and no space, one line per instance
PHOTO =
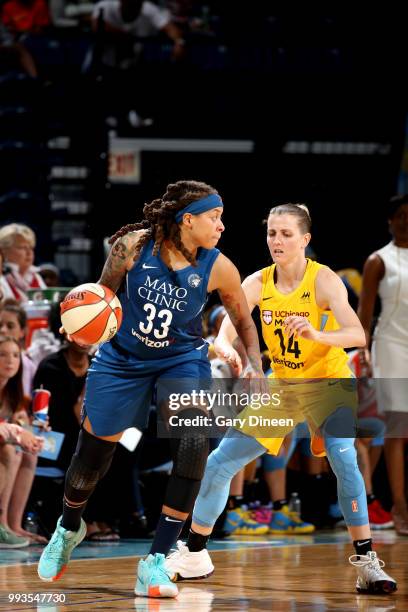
162,309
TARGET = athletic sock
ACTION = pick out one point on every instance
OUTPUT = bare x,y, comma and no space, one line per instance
167,532
71,515
196,541
362,547
279,503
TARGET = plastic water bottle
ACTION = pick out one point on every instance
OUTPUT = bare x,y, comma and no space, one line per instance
31,522
294,503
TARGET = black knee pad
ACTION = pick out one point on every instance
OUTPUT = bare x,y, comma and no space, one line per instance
181,493
89,464
189,454
190,448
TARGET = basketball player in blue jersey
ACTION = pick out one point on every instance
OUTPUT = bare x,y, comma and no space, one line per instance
162,269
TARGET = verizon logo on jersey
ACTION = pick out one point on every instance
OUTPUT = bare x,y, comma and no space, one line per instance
149,342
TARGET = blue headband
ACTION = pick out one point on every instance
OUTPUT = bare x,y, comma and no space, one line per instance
200,206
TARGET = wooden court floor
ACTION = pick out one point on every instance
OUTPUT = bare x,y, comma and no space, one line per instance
285,578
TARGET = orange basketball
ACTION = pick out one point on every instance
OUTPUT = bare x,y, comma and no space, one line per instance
91,313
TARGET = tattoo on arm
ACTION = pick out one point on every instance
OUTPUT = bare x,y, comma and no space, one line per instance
119,250
115,268
234,310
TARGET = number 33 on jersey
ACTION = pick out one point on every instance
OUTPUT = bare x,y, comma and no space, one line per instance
162,309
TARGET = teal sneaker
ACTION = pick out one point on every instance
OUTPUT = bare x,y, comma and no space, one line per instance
153,579
54,559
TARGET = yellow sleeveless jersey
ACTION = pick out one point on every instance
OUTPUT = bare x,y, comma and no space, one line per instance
298,357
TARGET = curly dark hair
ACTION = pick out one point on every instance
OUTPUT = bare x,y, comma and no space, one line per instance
159,217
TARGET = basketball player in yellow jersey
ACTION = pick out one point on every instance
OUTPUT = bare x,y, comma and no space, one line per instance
306,323
301,354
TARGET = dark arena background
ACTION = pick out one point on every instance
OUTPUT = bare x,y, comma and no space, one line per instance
268,103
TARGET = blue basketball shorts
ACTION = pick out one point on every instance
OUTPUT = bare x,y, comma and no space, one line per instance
120,388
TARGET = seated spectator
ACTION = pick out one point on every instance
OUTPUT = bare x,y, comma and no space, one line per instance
17,243
14,55
70,14
18,466
25,15
285,520
50,274
5,290
370,443
122,28
212,323
63,373
10,433
13,322
137,18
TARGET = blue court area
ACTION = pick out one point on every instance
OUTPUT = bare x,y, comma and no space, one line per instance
132,548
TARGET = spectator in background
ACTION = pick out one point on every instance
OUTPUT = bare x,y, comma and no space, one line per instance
12,434
70,13
236,519
17,243
212,321
4,286
14,54
63,373
13,322
21,16
284,519
370,440
19,467
137,18
386,275
121,26
50,274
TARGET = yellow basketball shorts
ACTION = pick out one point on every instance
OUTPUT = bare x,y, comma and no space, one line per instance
312,401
